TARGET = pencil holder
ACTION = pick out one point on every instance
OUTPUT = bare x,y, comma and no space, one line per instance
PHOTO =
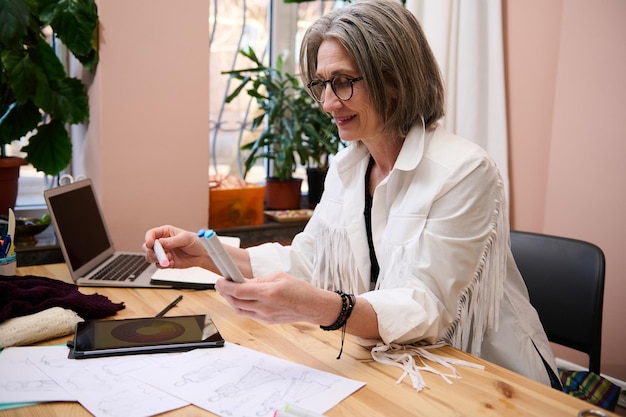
8,265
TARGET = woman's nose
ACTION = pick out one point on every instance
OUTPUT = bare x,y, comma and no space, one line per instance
331,101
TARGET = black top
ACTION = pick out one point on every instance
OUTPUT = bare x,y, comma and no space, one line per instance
368,224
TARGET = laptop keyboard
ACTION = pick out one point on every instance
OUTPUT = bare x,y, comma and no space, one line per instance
125,267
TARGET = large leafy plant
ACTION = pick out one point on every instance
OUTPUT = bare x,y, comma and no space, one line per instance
294,129
36,95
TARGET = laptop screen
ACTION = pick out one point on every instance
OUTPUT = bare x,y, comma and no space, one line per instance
79,224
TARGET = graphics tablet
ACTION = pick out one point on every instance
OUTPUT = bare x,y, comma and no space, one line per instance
97,338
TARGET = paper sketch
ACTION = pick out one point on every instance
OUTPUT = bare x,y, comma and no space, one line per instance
22,381
101,386
231,381
237,382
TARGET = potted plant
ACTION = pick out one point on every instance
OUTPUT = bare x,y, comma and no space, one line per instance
322,142
294,129
37,98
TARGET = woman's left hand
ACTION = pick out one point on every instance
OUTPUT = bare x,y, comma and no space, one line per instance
280,298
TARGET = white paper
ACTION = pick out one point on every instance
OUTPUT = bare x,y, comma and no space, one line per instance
230,381
192,275
101,384
238,382
22,381
230,240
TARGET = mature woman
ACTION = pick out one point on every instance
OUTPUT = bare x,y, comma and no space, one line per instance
410,241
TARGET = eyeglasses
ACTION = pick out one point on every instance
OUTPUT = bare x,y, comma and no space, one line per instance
342,86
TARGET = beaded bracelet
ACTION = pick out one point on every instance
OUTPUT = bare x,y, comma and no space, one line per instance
347,304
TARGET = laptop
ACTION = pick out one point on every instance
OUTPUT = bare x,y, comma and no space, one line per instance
85,242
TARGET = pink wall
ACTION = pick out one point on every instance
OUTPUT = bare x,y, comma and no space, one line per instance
566,67
147,146
566,95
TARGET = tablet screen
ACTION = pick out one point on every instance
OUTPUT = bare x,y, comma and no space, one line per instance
144,335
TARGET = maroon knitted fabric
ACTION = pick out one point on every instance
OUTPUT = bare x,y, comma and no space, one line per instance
22,296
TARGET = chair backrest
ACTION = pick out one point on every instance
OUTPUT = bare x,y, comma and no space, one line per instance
565,280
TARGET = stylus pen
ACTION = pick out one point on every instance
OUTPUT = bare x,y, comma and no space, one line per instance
169,306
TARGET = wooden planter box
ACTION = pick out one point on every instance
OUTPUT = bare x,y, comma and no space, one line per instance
230,207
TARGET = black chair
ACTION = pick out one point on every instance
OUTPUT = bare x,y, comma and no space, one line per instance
565,280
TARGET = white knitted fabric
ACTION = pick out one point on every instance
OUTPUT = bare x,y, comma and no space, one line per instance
47,324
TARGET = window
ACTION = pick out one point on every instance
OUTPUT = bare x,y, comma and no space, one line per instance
236,25
31,183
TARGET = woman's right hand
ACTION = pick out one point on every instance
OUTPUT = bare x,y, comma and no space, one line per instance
183,248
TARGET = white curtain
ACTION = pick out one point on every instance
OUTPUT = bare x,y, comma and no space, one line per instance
466,37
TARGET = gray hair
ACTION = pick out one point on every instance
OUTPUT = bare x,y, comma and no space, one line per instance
392,53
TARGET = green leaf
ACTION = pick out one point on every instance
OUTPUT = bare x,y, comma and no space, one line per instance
50,150
251,55
73,21
25,77
68,101
45,57
18,120
90,60
238,89
14,21
257,121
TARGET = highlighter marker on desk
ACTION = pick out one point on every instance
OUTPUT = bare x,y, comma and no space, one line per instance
218,253
281,413
295,411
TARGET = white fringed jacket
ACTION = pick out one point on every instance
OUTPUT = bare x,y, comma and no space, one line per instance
441,234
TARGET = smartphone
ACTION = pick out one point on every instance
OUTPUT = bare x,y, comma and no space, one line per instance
98,338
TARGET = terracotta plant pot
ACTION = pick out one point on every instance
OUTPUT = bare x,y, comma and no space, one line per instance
232,207
9,175
282,194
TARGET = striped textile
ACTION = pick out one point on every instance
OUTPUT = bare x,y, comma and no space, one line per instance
590,387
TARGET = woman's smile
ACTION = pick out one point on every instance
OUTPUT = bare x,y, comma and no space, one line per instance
343,120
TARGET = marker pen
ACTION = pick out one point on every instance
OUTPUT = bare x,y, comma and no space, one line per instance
281,413
211,252
7,247
218,253
295,411
160,254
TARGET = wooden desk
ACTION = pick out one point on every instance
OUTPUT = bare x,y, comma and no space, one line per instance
493,391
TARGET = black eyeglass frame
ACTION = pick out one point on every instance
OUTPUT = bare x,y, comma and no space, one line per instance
352,80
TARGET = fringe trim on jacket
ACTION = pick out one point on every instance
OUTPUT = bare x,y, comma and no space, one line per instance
331,251
479,304
403,357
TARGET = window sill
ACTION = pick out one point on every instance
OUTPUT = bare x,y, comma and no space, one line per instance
269,231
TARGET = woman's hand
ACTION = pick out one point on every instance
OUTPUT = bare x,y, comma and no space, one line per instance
281,298
183,248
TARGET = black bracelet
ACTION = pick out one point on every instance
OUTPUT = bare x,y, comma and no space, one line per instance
347,304
346,309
